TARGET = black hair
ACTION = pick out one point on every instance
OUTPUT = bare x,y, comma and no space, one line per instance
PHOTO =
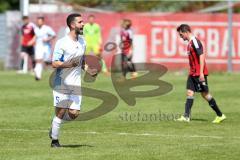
184,28
41,17
71,18
25,17
128,22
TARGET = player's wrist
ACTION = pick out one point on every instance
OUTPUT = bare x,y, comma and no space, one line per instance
201,77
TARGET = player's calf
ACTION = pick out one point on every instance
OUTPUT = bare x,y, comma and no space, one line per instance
188,106
212,103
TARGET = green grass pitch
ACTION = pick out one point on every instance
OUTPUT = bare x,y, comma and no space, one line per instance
26,111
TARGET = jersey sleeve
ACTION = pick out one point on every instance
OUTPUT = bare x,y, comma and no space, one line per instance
33,28
51,32
58,52
197,45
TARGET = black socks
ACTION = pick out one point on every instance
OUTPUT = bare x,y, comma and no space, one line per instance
213,104
188,106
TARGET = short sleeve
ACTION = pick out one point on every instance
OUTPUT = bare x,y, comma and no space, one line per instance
50,31
33,27
58,52
197,45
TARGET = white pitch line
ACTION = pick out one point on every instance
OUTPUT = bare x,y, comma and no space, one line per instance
122,133
166,135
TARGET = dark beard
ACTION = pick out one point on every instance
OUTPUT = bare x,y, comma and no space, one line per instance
79,32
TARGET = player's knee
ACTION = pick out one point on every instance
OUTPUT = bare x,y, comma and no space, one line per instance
190,93
207,96
60,112
73,113
23,55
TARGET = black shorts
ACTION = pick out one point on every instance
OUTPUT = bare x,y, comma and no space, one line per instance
28,49
195,85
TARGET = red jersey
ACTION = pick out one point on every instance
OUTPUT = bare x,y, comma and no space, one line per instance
126,40
27,33
194,50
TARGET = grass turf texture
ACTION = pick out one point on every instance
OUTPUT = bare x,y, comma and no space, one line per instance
26,111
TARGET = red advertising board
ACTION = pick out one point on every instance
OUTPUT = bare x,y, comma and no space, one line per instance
156,39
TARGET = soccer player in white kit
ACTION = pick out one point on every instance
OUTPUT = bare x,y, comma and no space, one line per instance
44,35
67,50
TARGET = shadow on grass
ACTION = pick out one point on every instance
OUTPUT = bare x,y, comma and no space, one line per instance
76,145
199,119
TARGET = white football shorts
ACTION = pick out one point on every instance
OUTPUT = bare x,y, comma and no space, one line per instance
68,101
42,51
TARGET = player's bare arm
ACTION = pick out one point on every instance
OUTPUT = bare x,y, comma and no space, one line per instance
49,38
201,59
70,64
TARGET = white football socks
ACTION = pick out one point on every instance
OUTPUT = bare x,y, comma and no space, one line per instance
38,70
56,123
25,64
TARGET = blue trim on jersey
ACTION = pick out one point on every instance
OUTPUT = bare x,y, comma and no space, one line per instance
58,79
62,58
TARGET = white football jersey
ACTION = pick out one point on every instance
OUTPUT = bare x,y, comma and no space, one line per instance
43,33
65,50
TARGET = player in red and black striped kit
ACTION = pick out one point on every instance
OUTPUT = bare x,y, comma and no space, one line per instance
27,40
197,79
127,49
